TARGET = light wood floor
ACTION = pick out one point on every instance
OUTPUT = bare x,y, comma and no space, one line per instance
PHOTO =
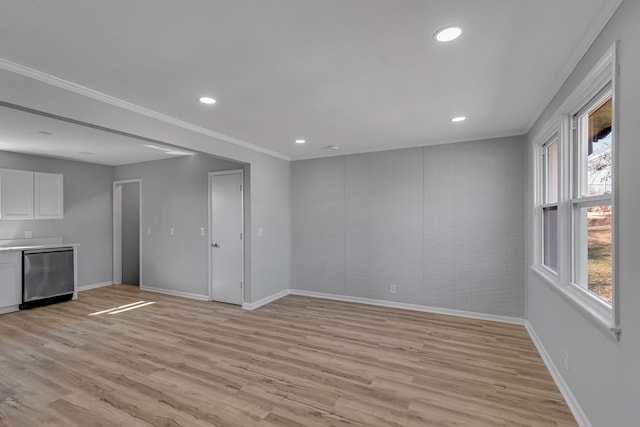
296,362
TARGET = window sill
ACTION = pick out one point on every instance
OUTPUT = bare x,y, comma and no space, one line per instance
596,311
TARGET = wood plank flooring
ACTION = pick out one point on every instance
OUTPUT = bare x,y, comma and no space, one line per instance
296,362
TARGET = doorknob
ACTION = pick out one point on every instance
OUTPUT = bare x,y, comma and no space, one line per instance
215,245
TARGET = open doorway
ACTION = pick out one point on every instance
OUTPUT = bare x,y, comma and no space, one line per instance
127,208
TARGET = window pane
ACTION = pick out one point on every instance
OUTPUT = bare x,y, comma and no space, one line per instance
550,230
552,172
595,136
596,249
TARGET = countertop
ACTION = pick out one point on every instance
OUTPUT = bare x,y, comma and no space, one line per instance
29,248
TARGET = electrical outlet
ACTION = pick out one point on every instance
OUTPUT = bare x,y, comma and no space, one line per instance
28,234
171,231
392,289
202,231
149,230
566,360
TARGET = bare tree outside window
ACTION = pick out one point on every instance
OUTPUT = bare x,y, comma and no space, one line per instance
595,222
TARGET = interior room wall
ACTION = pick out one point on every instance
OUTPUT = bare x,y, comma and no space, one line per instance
174,195
443,224
603,375
131,233
270,193
87,212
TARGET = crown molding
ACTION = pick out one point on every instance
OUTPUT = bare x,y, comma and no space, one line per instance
51,80
591,36
423,144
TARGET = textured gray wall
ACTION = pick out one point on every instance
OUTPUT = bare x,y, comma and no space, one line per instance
270,210
604,375
445,224
131,233
175,194
318,224
87,212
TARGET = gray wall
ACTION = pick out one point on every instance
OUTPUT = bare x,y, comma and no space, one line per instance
175,194
604,375
445,224
131,233
87,212
270,210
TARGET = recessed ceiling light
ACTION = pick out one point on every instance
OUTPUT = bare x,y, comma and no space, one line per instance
300,141
85,153
331,147
206,100
458,119
447,34
44,132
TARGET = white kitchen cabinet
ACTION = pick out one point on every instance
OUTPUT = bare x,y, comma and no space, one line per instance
31,195
16,194
10,281
48,195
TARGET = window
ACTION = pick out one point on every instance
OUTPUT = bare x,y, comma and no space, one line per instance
575,206
550,186
593,196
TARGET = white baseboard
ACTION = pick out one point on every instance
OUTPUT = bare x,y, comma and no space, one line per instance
10,309
175,293
264,301
572,402
413,307
94,286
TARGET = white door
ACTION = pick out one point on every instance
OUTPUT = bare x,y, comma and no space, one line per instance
226,237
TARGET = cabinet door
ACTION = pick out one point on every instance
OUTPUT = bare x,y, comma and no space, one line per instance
10,283
16,194
49,195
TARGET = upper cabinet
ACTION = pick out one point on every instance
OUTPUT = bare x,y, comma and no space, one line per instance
48,195
16,194
31,195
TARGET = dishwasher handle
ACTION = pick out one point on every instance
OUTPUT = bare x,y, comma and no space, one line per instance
44,250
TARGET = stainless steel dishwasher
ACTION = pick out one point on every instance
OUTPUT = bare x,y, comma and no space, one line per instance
47,276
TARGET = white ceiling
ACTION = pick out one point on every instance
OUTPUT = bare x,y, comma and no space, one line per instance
364,75
20,132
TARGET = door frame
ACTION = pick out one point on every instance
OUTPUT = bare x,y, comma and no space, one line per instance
209,226
117,230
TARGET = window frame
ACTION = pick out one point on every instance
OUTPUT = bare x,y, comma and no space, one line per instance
594,86
544,202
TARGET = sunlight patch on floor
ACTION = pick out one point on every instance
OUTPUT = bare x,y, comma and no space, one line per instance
123,308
